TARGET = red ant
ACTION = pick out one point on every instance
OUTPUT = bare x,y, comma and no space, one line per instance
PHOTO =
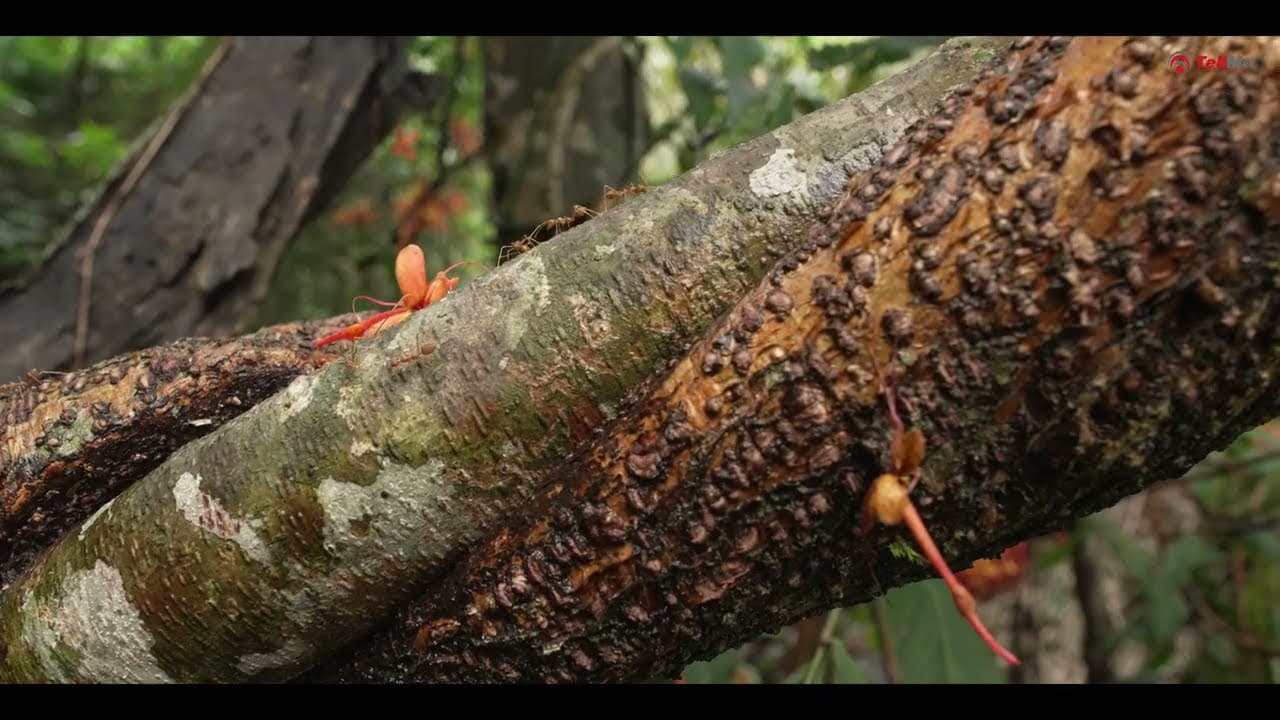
612,196
559,225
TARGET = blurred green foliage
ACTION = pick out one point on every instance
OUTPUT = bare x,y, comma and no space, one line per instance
708,94
1215,589
69,109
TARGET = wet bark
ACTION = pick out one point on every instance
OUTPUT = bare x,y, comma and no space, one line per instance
301,524
277,127
1069,274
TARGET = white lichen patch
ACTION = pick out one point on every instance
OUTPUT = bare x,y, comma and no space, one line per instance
290,655
604,250
360,447
348,408
535,280
88,631
390,523
84,528
781,175
386,516
297,396
205,512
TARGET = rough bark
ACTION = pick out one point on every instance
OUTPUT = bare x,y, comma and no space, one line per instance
263,547
276,129
1070,276
70,442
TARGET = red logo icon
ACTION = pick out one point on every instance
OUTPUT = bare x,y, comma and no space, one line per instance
1179,62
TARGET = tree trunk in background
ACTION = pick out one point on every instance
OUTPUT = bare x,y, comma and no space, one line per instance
277,127
564,117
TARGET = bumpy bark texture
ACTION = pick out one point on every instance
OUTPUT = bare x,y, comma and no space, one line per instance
70,442
261,548
278,127
1070,276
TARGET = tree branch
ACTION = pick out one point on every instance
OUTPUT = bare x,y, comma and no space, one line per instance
261,548
70,444
1071,267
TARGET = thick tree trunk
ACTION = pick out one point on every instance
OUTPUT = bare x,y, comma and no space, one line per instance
1054,265
70,442
277,127
1070,275
298,526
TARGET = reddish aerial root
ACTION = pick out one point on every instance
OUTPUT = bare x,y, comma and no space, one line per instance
964,600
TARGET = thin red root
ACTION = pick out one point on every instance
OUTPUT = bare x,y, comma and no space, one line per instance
963,599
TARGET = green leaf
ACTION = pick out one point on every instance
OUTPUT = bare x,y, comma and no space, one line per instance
1135,558
714,671
700,89
933,643
1056,553
1259,611
1166,611
681,45
846,670
740,95
1184,557
783,102
741,53
1265,543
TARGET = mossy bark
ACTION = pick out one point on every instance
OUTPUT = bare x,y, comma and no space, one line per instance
261,548
70,442
1069,276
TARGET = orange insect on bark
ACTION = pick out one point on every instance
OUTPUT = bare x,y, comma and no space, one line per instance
889,501
411,275
415,293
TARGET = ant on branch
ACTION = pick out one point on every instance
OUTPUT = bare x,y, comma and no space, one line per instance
557,225
580,214
889,501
